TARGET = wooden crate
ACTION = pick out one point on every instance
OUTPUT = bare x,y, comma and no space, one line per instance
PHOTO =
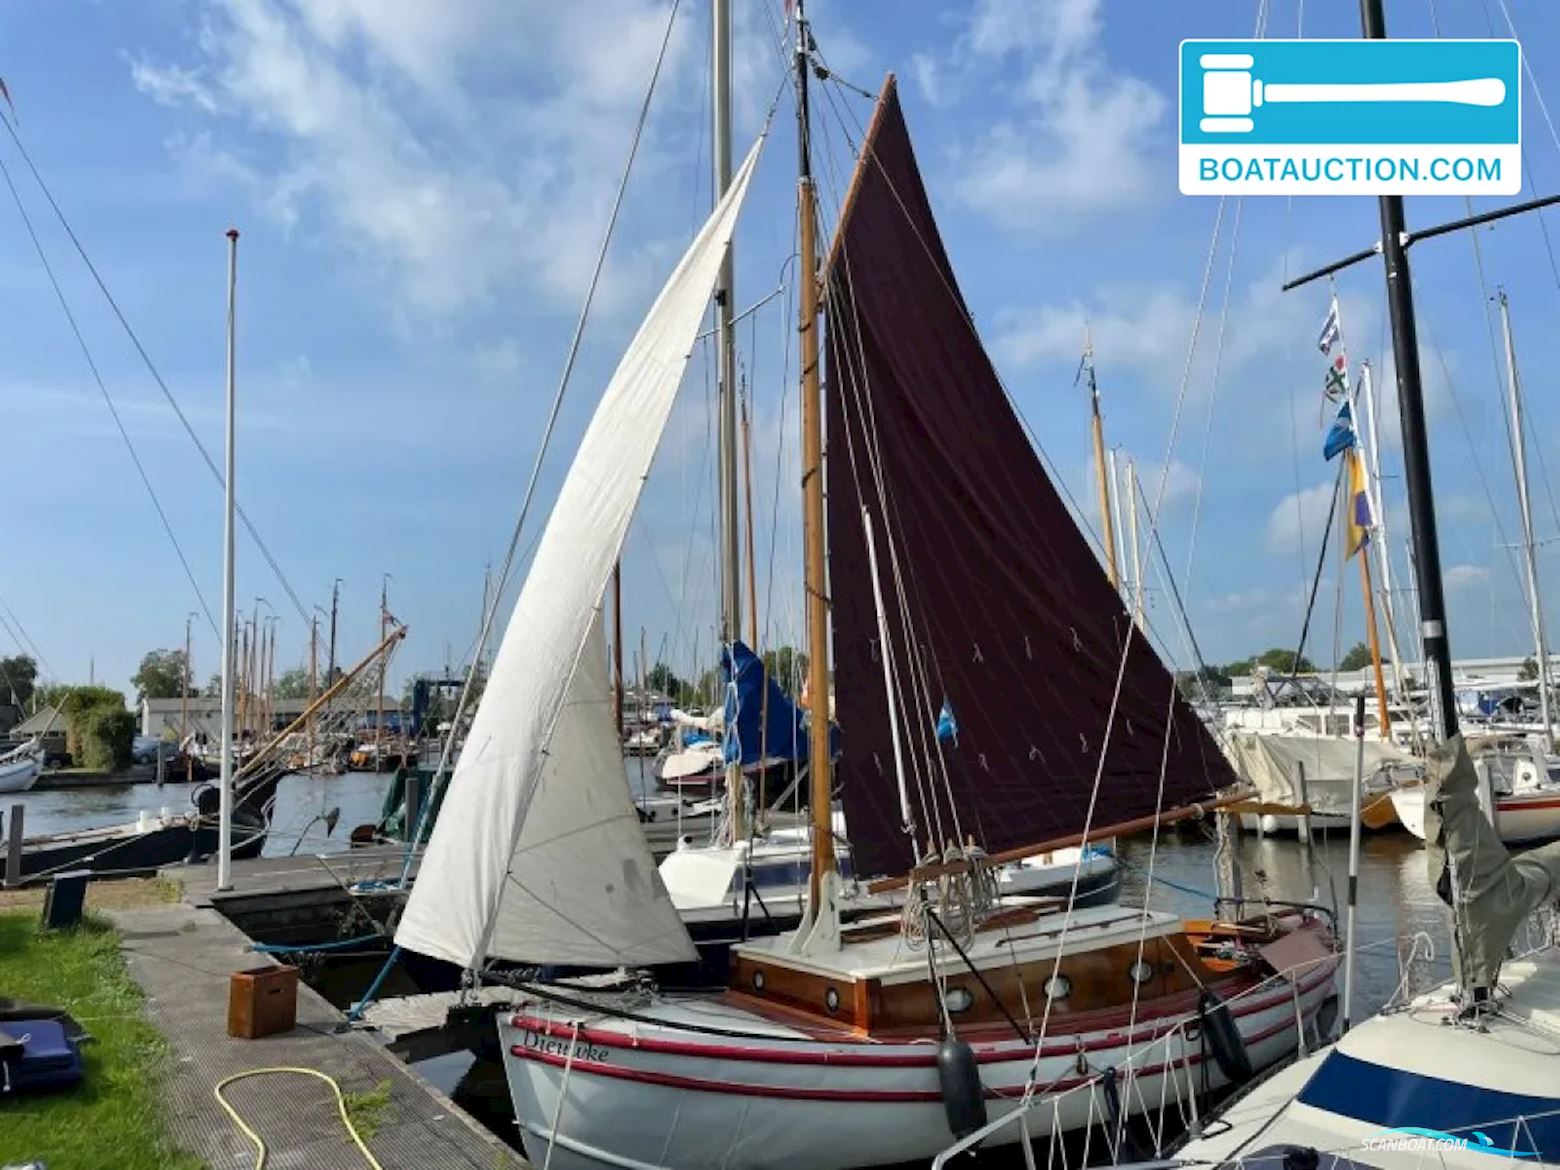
262,1002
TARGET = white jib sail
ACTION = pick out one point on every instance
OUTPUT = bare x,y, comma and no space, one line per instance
537,855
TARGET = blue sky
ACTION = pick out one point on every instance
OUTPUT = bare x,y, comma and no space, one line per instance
421,189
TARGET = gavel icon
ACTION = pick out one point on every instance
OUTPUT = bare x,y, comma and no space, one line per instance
1231,93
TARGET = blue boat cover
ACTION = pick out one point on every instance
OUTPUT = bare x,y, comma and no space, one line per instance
50,1059
752,733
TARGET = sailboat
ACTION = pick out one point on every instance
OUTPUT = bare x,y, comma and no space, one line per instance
21,766
845,1045
1468,1072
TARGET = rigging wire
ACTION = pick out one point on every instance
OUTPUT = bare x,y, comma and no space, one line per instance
157,377
108,400
440,776
13,627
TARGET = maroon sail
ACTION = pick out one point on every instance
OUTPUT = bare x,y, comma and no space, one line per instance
1000,619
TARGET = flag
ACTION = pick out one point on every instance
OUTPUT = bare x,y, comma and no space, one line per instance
947,726
1337,384
1340,436
1360,521
1331,329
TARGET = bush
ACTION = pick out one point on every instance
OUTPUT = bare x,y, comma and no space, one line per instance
98,729
104,736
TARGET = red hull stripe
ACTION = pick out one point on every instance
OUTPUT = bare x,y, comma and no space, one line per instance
1519,805
869,1059
854,1096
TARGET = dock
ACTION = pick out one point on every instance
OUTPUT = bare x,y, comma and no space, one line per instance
182,955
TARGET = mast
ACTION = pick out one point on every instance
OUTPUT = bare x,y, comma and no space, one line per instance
229,615
617,644
314,681
1416,444
1519,469
819,763
730,518
330,657
1132,528
1378,513
752,561
1384,719
379,697
184,685
1104,479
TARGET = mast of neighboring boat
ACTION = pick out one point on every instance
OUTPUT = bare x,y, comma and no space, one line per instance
617,643
1112,504
819,763
229,614
1530,556
1350,946
1378,514
730,518
1105,478
1132,530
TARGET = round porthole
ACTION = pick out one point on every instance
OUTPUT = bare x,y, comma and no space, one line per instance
1140,972
1058,987
958,999
831,1000
758,981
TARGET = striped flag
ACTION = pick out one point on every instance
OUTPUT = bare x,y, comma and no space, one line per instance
1331,329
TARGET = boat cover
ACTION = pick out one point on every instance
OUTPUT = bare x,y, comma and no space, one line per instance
1494,890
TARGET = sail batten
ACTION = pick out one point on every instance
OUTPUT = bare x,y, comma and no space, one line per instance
1004,618
538,855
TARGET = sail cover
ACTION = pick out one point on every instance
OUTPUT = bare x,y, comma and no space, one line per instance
1013,624
532,858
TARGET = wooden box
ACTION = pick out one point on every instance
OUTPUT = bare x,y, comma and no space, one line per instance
262,1002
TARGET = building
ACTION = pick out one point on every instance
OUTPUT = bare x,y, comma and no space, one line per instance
1467,674
165,717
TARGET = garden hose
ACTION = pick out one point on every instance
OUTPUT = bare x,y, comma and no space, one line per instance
261,1153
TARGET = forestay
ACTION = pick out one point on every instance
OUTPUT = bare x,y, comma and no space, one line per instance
537,855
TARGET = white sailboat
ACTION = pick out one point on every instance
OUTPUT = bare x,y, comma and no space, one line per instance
825,1050
21,767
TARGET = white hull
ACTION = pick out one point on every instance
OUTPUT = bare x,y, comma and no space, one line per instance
1526,818
1413,1069
650,1095
20,775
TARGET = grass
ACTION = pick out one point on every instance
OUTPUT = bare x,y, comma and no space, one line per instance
114,894
115,1117
368,1109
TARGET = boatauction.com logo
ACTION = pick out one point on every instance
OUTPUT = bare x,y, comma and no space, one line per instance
1351,118
1412,1139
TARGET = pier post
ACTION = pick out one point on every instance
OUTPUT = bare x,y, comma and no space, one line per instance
1304,827
413,801
13,848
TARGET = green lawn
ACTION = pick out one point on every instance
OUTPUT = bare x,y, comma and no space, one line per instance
115,1118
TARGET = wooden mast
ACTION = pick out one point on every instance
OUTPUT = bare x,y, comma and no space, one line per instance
1375,646
819,763
314,681
1107,526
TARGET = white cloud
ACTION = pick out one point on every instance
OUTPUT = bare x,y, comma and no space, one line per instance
499,362
1299,518
1464,577
455,148
1078,138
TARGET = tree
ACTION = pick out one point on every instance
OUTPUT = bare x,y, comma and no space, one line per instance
662,679
213,687
98,728
1358,657
788,667
160,676
18,678
1529,669
292,684
1198,685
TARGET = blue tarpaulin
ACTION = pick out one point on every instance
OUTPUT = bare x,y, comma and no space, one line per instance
748,737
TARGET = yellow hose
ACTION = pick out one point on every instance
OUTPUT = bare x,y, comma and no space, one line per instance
260,1149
